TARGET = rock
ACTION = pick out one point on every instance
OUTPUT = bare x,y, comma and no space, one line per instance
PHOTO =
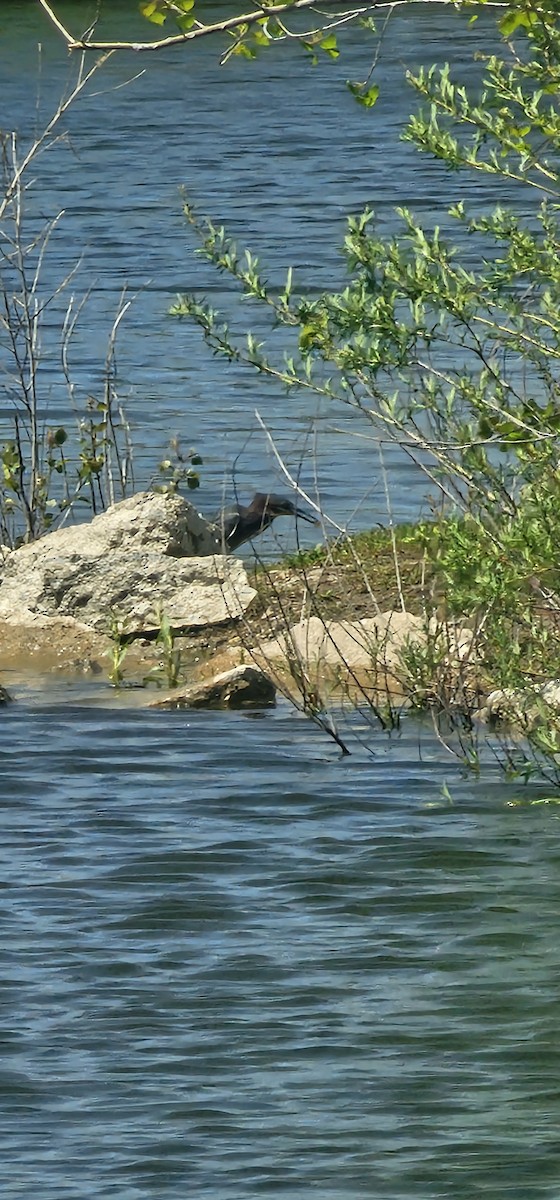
370,643
550,693
389,654
4,695
133,563
151,521
242,687
525,708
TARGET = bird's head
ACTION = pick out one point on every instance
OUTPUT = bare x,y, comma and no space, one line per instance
269,505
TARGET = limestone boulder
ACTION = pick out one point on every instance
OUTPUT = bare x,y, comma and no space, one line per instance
370,643
522,708
383,652
241,687
151,521
146,556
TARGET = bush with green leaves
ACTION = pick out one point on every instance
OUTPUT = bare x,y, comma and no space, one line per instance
458,363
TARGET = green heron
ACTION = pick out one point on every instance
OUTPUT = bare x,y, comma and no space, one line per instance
242,522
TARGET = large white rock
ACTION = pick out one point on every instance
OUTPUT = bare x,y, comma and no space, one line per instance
369,643
376,644
146,521
133,562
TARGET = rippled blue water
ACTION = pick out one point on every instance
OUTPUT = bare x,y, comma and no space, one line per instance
281,154
234,965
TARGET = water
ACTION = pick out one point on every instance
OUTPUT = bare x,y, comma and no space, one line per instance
247,967
233,964
281,154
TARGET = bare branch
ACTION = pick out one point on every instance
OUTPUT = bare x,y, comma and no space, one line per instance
293,482
58,24
44,139
247,19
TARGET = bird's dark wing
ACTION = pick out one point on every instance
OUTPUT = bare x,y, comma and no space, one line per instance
240,523
226,523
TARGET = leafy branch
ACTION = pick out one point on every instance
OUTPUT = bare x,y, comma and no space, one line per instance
269,20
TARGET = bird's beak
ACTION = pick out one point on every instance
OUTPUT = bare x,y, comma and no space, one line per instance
306,517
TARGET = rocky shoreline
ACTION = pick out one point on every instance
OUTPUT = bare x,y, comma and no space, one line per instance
72,601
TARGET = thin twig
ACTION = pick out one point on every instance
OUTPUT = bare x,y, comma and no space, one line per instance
391,526
44,138
248,19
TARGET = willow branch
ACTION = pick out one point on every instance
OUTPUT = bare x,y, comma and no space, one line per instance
248,19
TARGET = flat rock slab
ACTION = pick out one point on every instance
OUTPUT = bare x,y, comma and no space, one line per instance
242,687
369,643
132,564
374,651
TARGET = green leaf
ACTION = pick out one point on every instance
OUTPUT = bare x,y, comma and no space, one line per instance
152,13
367,98
310,49
515,19
328,44
243,50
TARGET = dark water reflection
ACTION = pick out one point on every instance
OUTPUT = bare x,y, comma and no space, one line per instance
233,965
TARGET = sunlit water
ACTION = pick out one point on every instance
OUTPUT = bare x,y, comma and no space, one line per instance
281,154
234,964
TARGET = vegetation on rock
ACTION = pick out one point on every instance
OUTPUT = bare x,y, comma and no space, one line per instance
455,362
458,364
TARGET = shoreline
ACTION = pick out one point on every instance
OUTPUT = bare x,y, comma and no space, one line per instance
411,655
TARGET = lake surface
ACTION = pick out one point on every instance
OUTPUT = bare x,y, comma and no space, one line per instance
281,154
233,964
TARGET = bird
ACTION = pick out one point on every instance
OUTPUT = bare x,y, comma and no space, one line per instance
240,523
